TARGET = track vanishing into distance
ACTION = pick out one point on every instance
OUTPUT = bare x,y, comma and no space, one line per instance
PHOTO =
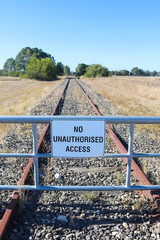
75,215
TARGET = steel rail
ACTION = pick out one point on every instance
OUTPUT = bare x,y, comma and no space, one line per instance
11,210
135,170
13,205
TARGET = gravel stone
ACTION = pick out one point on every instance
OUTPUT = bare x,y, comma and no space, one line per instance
76,215
62,218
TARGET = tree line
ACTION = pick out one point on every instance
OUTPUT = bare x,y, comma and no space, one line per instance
96,70
35,64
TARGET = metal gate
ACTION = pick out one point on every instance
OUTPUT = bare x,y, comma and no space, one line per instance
34,120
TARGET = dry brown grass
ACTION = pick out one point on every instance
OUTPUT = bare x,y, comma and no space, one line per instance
131,96
17,97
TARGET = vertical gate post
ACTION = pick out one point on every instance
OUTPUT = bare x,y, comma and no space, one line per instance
130,148
36,168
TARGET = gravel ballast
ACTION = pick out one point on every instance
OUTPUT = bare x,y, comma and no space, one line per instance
76,215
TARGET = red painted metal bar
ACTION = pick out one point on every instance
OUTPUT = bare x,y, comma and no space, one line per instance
12,208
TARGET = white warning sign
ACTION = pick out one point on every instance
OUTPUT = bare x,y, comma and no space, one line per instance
78,139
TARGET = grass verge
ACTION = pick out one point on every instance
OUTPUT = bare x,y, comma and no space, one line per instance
17,97
130,96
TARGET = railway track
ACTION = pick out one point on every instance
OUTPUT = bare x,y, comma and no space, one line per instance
82,215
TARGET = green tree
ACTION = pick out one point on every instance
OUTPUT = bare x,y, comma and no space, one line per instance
147,73
154,73
48,69
96,70
67,70
33,68
81,69
134,71
21,59
38,53
25,54
9,65
137,72
111,73
124,72
141,72
44,69
60,69
117,73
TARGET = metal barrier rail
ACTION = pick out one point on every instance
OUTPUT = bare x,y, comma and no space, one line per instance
109,120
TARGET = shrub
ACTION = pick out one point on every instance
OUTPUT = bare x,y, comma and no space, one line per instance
81,69
96,70
23,75
14,74
43,69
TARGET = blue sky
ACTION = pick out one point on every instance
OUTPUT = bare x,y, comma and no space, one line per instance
119,34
